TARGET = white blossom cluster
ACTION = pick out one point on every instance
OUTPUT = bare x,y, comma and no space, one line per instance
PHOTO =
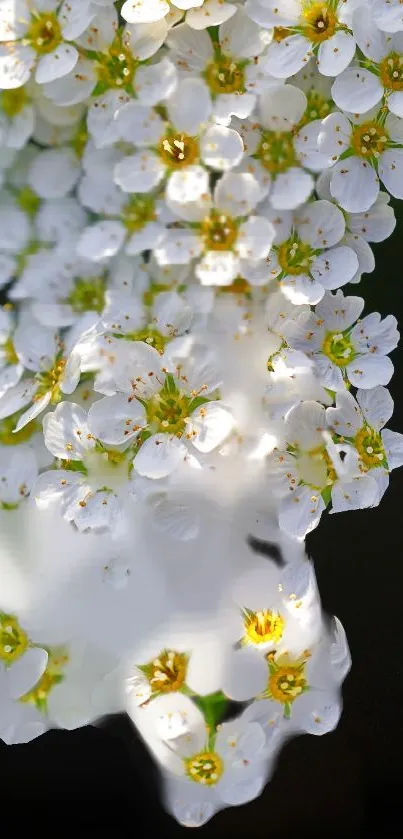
185,188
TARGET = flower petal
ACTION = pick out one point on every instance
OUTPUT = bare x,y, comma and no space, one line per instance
116,419
159,456
66,432
56,64
26,672
300,513
209,426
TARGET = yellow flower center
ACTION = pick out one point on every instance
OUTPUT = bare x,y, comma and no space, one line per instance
13,640
168,412
318,107
205,768
391,71
50,381
179,150
287,679
295,257
116,66
13,101
137,212
338,347
263,627
44,33
319,21
286,684
167,673
369,140
276,151
224,75
219,232
369,445
88,295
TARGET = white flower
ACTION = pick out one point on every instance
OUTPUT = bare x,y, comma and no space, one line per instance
202,774
231,66
125,223
177,148
43,269
341,350
93,495
360,422
171,410
359,89
277,151
273,611
21,666
374,225
303,693
37,37
200,14
56,369
301,470
220,229
308,472
157,673
367,152
121,64
307,257
129,316
306,28
86,295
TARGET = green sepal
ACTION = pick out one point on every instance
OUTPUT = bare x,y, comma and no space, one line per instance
327,495
213,707
196,402
74,466
346,154
169,385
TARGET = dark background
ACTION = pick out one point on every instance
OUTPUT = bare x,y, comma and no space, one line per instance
348,783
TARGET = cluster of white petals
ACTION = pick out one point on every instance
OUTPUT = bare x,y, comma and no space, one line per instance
186,186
